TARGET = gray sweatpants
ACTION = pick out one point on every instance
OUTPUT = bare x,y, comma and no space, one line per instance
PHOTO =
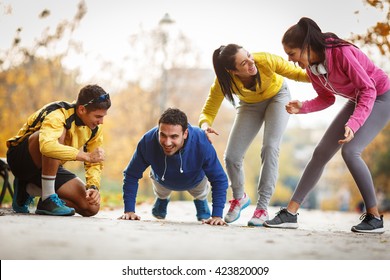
200,192
248,121
351,152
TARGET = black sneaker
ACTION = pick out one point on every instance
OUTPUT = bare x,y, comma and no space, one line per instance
159,209
369,224
283,219
21,199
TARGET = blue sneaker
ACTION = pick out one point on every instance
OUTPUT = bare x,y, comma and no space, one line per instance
202,209
159,209
54,206
21,199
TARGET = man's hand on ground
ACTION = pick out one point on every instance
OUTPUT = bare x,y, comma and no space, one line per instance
215,221
129,216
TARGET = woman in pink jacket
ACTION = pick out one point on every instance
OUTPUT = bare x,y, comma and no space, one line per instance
336,67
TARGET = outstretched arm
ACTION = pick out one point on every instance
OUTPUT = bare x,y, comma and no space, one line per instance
293,107
209,130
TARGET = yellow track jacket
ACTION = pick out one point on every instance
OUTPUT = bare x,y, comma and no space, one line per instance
271,67
51,121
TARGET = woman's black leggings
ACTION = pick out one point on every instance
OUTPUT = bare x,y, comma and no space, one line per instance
351,152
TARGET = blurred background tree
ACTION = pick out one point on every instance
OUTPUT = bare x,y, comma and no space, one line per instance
165,73
377,36
377,154
31,76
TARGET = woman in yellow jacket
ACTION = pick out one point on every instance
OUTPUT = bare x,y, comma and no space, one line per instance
257,81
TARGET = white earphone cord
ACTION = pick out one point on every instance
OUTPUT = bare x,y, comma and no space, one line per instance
326,84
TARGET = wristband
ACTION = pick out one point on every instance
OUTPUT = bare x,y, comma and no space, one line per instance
92,187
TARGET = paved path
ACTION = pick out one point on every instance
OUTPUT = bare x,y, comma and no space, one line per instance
321,236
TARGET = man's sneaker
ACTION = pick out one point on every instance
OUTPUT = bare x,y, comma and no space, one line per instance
283,219
202,209
21,199
259,217
236,205
54,206
159,209
369,224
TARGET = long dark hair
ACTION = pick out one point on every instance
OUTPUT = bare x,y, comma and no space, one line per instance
224,59
307,36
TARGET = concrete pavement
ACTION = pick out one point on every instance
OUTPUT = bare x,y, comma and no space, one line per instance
321,236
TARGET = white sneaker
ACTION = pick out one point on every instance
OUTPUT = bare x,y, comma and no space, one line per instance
259,217
236,205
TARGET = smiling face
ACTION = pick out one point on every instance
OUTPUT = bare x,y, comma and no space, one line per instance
92,118
171,138
295,55
245,64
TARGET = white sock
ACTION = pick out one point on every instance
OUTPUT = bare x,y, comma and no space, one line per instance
48,186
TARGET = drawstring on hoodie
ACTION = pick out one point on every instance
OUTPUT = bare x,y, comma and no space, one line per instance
181,163
165,167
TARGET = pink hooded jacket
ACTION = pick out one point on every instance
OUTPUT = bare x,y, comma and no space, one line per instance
351,74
